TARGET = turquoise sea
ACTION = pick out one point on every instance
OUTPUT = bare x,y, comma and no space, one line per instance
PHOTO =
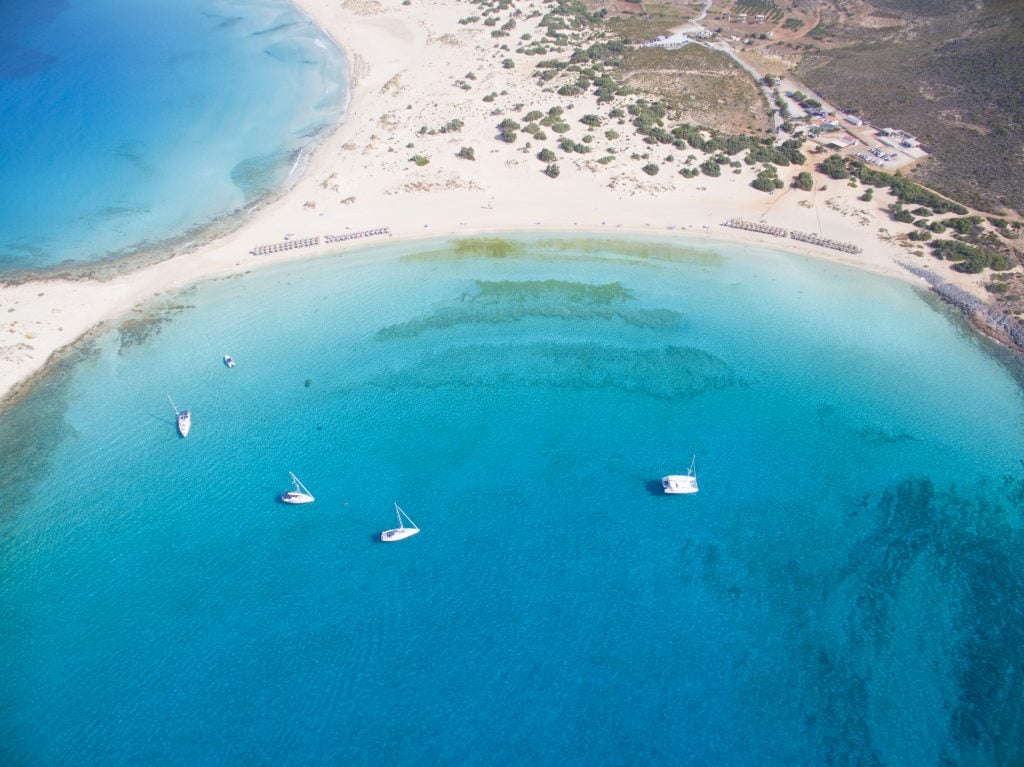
130,126
845,588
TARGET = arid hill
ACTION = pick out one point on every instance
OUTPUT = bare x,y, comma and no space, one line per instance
949,72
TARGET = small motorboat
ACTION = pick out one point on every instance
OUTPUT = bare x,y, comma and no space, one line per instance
228,361
682,484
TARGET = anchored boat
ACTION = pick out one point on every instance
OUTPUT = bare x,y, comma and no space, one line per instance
298,493
682,484
400,532
184,419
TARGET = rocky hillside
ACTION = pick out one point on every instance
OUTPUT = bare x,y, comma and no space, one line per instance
949,72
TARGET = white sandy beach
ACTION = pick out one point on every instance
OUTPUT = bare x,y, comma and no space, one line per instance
404,63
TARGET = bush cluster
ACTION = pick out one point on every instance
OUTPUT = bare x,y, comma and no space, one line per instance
711,168
767,179
971,259
804,181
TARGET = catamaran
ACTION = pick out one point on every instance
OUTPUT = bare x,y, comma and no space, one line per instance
400,532
228,361
184,418
680,484
298,493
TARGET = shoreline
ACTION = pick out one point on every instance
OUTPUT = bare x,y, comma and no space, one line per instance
127,260
402,61
683,238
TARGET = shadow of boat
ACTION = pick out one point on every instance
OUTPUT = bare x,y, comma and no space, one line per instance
654,487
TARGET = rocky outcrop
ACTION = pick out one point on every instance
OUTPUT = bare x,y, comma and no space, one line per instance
1005,328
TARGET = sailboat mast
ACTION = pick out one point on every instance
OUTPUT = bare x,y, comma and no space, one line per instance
402,515
172,404
398,514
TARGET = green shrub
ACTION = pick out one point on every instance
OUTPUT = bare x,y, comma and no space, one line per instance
508,130
711,168
804,181
965,224
971,259
767,180
835,167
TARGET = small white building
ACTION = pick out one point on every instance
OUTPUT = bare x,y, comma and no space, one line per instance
840,142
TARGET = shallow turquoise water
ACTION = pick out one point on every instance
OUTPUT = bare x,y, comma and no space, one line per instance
126,124
845,587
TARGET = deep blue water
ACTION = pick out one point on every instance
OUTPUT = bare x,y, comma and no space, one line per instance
129,124
845,588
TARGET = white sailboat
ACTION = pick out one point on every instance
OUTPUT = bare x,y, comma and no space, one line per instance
400,532
298,493
682,484
184,418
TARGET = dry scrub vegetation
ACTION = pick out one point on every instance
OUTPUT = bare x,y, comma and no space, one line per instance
948,72
707,87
